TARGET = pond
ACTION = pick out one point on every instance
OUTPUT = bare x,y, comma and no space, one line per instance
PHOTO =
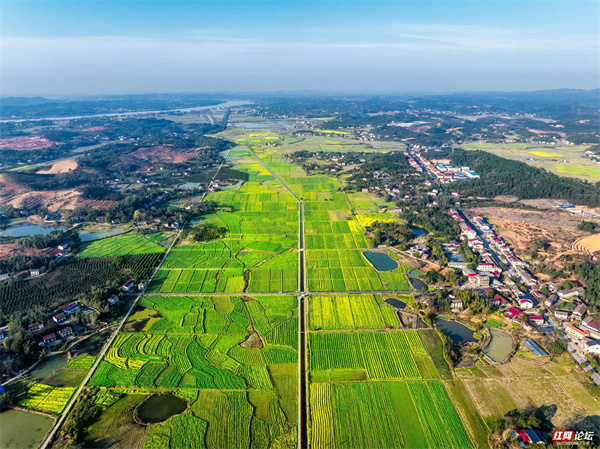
21,430
417,231
414,273
161,407
233,186
500,346
457,332
454,257
381,261
395,303
189,185
30,229
49,367
86,236
417,284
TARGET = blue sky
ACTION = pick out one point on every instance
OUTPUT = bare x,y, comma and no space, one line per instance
53,47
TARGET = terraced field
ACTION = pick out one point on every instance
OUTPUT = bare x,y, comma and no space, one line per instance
232,353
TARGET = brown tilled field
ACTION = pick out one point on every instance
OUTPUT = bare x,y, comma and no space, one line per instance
588,245
161,153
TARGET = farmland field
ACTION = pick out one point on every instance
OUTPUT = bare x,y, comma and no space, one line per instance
120,246
350,312
563,160
524,384
413,414
41,397
233,355
233,359
381,355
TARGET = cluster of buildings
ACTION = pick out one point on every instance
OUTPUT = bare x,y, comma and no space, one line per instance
519,306
61,317
578,325
441,168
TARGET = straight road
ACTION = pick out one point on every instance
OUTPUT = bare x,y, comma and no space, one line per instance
302,299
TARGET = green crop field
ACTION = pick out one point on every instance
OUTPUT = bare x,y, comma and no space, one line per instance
120,246
381,355
43,398
233,359
413,414
350,312
347,270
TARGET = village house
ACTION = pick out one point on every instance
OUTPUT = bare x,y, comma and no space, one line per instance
47,339
71,308
570,293
526,303
60,318
562,314
3,335
427,301
128,286
35,327
592,346
575,332
537,320
34,272
4,276
500,299
592,326
580,311
456,304
66,332
551,300
513,313
114,299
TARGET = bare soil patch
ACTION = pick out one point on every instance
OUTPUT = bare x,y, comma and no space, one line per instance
11,250
60,167
522,228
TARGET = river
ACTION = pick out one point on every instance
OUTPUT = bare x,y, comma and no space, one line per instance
227,104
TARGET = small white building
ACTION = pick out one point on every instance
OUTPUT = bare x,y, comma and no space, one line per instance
592,346
456,304
526,303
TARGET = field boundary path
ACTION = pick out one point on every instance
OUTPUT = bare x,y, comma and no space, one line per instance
361,292
302,302
63,416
